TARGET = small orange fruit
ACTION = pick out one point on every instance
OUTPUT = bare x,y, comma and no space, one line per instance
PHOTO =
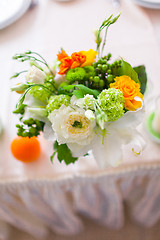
25,149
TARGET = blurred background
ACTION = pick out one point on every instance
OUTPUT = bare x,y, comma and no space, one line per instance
45,26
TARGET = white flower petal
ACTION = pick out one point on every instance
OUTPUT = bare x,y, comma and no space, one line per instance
109,153
73,100
59,78
129,119
62,120
48,132
31,101
138,142
90,115
79,150
35,75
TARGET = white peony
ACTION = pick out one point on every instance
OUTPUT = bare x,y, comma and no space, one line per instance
35,75
70,125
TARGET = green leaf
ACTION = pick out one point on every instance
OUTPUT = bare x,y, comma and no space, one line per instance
141,71
51,157
20,109
63,153
20,102
126,69
83,90
68,87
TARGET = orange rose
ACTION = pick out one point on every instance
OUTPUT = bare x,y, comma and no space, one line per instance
62,55
130,90
78,59
65,65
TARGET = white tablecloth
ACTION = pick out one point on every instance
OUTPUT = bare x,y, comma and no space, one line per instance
39,196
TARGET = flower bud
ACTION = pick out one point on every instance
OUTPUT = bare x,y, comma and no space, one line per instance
35,75
19,87
90,115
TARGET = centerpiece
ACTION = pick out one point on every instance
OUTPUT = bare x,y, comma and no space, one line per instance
85,103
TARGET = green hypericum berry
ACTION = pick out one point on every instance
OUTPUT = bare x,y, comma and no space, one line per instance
104,67
99,61
96,79
104,61
91,79
99,66
109,78
75,74
109,71
94,64
101,83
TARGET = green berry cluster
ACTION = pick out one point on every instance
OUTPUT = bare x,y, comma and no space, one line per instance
30,127
104,72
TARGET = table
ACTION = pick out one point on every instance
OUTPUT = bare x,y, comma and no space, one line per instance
39,196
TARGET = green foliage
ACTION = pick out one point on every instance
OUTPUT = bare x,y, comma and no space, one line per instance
20,109
105,25
79,90
83,90
141,71
126,69
63,153
30,127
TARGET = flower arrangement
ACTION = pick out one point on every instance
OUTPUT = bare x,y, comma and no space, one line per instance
84,103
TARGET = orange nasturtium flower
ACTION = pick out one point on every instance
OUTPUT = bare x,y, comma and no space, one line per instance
77,59
130,90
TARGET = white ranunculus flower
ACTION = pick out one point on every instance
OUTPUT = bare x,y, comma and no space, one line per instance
71,126
35,75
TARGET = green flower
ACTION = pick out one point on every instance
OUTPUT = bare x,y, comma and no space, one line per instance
75,74
41,93
55,102
111,101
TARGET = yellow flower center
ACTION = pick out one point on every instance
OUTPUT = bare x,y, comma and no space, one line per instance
77,124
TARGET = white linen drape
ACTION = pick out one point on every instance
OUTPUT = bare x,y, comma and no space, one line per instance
38,207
